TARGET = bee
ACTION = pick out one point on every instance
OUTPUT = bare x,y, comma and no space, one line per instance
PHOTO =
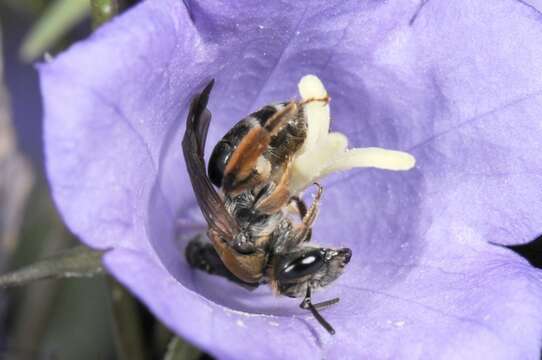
253,244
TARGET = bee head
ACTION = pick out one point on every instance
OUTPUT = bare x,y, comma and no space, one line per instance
316,267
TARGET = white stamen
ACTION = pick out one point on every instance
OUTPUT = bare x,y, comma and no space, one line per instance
324,152
372,157
310,87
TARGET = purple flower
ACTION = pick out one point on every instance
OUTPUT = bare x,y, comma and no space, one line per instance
457,84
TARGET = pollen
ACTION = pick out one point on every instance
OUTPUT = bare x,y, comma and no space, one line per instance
326,152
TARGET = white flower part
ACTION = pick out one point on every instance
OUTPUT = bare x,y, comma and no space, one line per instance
326,152
316,112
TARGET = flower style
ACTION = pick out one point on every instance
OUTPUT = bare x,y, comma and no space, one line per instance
444,81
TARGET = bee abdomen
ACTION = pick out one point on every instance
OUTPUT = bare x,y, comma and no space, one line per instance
222,152
280,143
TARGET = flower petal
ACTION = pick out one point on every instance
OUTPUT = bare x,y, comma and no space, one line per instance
453,302
485,168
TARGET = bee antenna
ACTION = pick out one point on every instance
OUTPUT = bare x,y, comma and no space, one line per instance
308,305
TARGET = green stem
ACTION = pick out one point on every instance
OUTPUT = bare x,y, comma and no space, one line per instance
103,11
179,349
59,17
129,339
79,261
33,311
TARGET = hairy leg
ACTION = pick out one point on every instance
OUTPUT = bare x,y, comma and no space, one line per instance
279,195
302,211
304,229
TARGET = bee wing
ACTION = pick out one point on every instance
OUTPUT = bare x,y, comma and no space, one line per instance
195,136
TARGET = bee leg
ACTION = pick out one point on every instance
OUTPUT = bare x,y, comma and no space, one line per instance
313,308
240,173
279,195
304,230
311,214
277,121
203,256
323,99
300,205
301,208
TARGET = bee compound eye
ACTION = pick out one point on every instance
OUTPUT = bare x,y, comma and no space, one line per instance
306,264
217,162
